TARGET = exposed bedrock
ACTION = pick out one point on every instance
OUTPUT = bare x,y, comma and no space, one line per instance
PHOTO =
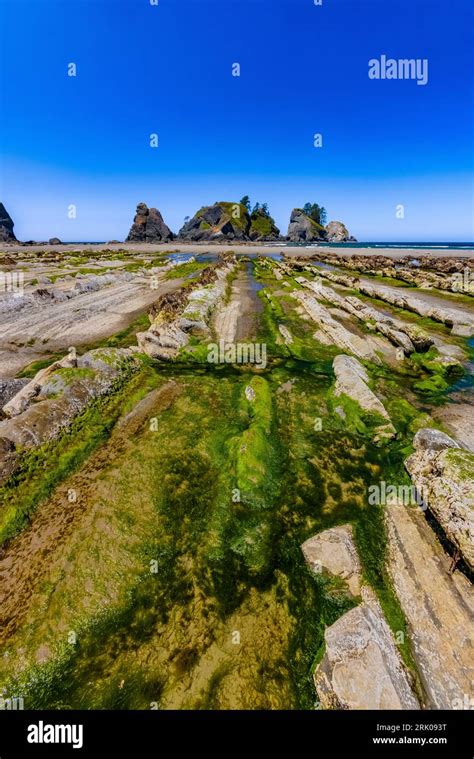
184,313
55,397
407,336
302,228
438,607
22,399
332,331
444,474
361,667
461,321
336,231
9,388
352,380
333,551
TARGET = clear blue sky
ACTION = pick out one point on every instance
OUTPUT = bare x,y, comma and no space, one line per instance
167,69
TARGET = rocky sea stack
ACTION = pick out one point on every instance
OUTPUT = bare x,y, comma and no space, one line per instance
6,225
148,226
230,221
337,232
221,220
302,228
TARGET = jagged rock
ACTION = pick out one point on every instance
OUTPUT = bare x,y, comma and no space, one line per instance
223,220
43,420
438,606
402,299
23,398
337,232
361,667
304,229
352,380
170,330
162,341
334,552
148,226
6,225
332,331
390,328
444,474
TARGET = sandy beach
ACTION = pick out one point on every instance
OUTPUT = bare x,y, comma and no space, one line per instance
239,247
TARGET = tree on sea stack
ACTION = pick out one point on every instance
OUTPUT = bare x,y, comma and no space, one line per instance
315,212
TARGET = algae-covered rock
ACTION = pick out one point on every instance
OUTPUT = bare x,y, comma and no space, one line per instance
444,474
361,667
222,220
333,551
352,380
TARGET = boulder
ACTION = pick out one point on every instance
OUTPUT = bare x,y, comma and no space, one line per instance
221,221
148,226
361,667
54,241
304,229
6,226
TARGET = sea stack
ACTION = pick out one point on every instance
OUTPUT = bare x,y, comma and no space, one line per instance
336,231
223,220
6,226
148,226
302,228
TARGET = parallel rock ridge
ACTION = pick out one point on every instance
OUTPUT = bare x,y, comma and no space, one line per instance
361,667
444,474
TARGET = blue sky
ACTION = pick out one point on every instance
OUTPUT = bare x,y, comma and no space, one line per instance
167,69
